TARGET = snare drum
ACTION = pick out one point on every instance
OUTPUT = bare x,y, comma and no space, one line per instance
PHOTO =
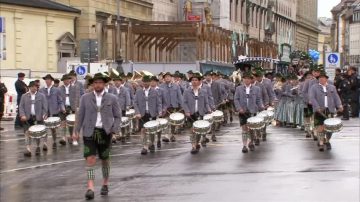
333,125
272,109
37,131
265,116
130,114
151,127
201,127
177,119
218,116
255,123
163,124
70,120
125,121
209,118
270,115
52,122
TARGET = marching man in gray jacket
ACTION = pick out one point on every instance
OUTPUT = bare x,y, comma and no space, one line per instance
147,105
195,105
248,102
32,110
325,101
99,119
55,104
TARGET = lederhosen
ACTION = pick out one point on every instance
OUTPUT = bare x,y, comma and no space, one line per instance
99,143
319,118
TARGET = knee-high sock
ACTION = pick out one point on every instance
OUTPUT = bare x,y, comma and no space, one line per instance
105,171
90,172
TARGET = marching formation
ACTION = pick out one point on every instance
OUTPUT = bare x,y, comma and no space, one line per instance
110,107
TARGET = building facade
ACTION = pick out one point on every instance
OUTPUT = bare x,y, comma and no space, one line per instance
346,31
306,25
99,20
324,43
36,34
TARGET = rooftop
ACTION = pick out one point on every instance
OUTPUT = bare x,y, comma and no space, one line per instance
42,4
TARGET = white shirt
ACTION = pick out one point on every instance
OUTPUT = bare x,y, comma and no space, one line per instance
49,89
146,91
67,99
98,104
247,89
325,97
196,93
33,103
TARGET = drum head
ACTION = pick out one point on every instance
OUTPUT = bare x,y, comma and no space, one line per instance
217,113
162,121
151,124
255,120
208,117
70,117
37,128
177,116
263,114
270,113
130,111
270,109
332,121
124,119
52,119
201,124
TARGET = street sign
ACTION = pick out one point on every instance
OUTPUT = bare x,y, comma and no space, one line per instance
332,60
81,70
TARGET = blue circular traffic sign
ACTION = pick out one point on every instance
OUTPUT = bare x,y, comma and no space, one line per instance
333,59
80,70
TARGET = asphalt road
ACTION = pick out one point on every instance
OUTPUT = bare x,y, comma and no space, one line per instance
288,167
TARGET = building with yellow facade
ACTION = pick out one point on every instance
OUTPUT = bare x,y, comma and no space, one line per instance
36,34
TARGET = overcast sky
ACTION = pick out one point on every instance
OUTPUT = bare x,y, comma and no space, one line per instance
325,7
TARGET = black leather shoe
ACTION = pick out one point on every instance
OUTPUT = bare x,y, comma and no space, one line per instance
158,145
307,135
213,138
203,143
207,140
165,139
345,119
173,139
152,148
257,142
264,137
113,140
27,153
194,151
328,146
252,147
245,149
198,147
54,146
45,148
89,195
62,142
104,190
231,119
37,151
144,151
321,148
315,138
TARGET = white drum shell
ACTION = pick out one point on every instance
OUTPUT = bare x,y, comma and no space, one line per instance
151,127
37,131
201,127
70,120
52,122
176,119
255,123
333,125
